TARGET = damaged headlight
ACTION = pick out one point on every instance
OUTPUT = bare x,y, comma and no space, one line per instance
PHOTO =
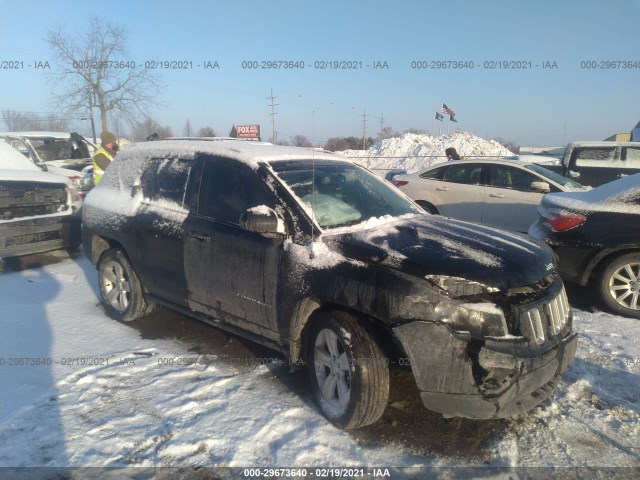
479,319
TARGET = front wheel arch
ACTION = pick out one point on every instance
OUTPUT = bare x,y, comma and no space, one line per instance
428,206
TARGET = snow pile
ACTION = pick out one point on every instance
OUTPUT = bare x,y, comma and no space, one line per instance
414,152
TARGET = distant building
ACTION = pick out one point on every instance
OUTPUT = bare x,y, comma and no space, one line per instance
632,136
635,133
619,137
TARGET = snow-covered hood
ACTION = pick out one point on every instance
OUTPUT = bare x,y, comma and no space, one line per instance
13,175
432,245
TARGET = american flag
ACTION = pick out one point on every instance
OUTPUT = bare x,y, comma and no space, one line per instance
447,110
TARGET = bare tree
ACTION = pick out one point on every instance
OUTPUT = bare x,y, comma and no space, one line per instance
206,132
147,127
300,141
93,72
16,121
188,130
510,145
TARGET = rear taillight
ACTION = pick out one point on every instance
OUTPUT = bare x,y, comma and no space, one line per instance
560,221
400,183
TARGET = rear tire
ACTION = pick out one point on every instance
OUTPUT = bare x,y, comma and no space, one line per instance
120,288
619,285
349,373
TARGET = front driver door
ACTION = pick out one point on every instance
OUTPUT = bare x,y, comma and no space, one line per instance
232,274
510,202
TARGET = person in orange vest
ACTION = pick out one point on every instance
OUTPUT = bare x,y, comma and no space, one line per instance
104,155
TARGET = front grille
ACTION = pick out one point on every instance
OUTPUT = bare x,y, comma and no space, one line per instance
23,199
546,319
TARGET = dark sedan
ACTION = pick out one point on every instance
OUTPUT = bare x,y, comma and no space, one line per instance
596,236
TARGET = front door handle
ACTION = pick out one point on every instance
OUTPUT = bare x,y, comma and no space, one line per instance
442,189
496,195
201,236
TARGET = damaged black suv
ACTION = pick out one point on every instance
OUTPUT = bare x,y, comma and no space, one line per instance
317,257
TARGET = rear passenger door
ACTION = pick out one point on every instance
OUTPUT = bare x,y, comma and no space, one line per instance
160,227
232,273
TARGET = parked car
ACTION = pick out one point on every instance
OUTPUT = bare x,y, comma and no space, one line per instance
597,163
496,193
546,161
39,211
324,261
596,235
61,153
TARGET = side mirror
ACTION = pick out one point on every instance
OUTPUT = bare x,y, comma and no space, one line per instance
136,187
542,187
263,220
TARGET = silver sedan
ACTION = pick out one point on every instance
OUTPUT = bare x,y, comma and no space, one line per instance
497,193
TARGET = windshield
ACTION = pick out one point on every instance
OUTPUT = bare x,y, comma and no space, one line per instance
341,194
556,177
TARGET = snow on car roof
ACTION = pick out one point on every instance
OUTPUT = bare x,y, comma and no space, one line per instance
249,152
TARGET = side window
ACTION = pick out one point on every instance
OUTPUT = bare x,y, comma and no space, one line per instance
504,176
227,191
466,174
594,157
435,174
166,178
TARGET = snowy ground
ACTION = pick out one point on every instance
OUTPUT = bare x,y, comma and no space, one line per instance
80,389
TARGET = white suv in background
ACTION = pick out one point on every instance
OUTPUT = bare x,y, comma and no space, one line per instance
63,153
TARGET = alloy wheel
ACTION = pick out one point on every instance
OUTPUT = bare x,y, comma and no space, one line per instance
116,286
333,374
624,285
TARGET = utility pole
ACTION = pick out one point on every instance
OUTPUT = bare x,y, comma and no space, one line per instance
364,129
381,125
273,116
564,139
93,126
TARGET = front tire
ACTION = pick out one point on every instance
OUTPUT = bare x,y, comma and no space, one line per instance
120,288
619,285
349,373
428,207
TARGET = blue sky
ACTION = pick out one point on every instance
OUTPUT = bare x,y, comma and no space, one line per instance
529,107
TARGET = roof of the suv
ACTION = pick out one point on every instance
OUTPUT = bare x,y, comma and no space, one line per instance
604,143
249,152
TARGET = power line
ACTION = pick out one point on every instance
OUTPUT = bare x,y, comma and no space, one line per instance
273,117
364,128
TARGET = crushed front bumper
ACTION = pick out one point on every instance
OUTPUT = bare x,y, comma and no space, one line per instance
495,378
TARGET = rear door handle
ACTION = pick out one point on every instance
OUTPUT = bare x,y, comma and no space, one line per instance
442,189
496,195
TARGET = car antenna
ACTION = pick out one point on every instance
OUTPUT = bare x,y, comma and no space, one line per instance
313,179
